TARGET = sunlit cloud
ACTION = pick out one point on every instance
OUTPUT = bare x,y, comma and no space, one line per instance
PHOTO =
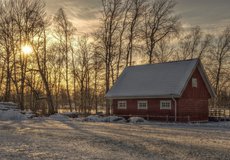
83,13
210,15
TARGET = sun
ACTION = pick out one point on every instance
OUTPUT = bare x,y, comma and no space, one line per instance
27,49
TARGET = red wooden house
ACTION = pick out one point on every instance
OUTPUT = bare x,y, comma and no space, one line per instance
177,91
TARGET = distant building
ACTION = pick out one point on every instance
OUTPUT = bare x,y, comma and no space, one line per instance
174,91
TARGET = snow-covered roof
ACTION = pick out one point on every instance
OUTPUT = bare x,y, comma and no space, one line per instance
154,80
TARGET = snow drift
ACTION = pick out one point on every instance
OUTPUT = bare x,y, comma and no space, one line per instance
136,120
10,111
96,118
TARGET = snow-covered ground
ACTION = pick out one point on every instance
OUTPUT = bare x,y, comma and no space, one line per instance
60,137
71,139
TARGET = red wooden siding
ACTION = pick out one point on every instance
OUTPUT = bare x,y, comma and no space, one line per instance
153,108
193,92
194,101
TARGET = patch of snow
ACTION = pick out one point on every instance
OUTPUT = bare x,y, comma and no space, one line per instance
58,117
94,118
220,124
136,120
11,115
55,117
80,119
171,79
8,105
114,119
10,111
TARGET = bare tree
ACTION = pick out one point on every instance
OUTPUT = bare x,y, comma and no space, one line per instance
74,66
194,44
220,60
135,14
159,23
64,33
164,51
107,37
97,66
122,31
83,72
39,44
19,24
57,62
5,43
41,59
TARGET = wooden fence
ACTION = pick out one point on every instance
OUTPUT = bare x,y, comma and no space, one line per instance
219,114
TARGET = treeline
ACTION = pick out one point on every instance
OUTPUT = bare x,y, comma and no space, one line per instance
68,69
62,70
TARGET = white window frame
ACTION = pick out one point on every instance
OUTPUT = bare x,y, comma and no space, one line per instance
121,104
194,82
140,103
165,104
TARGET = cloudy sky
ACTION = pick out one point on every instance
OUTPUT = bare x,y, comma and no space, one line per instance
211,15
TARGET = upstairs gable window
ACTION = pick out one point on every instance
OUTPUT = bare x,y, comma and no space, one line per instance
194,82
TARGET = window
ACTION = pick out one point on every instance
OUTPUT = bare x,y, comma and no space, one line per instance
121,105
165,104
142,104
194,82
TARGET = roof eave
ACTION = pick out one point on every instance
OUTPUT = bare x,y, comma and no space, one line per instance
145,97
206,80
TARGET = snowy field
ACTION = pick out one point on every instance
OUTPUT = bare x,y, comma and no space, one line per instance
70,139
24,137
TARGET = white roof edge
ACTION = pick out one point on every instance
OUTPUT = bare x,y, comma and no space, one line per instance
115,84
206,80
145,97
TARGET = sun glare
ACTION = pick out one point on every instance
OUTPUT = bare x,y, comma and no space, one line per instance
27,49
